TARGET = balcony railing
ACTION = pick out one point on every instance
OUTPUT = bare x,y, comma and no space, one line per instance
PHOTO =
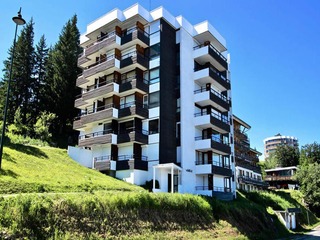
96,138
133,135
132,58
279,178
213,138
219,95
214,188
250,180
216,54
92,109
213,48
135,33
221,118
133,82
214,163
133,108
249,166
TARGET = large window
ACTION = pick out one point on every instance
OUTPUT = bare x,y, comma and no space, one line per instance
127,101
154,99
154,75
154,51
154,126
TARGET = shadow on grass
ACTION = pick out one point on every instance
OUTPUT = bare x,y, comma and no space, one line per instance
8,173
28,150
7,157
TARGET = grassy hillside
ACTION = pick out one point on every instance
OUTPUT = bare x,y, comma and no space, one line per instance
46,169
91,205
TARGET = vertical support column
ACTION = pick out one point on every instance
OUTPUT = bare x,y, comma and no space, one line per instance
172,183
154,179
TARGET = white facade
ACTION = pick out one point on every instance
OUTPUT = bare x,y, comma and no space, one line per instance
203,160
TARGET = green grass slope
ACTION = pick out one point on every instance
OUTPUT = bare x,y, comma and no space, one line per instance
45,169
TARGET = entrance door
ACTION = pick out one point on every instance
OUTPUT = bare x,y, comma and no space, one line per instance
175,183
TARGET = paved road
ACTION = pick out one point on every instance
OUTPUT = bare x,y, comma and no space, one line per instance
312,235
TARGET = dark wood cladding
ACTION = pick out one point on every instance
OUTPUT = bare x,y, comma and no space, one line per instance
93,117
134,110
220,124
134,136
99,45
81,80
138,58
223,82
103,139
168,101
221,147
102,165
98,68
132,164
134,84
219,101
98,92
79,102
221,171
137,34
218,58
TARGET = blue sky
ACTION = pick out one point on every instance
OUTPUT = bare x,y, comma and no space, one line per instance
274,47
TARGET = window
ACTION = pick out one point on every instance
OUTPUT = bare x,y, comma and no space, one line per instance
154,51
127,101
154,99
154,75
154,126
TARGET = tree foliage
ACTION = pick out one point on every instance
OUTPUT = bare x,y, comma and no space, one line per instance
310,153
62,75
308,175
287,155
42,78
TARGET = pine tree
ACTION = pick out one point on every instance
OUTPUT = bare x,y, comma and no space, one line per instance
22,75
61,76
40,67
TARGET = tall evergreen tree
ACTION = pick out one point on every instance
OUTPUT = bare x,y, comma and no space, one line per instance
62,74
40,67
22,75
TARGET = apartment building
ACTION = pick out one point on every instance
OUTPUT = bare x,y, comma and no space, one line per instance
271,143
248,172
156,102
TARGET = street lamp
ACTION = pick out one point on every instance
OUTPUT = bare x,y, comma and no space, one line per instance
18,20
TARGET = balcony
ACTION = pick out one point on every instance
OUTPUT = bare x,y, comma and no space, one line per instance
213,120
134,83
253,181
97,138
271,178
212,143
82,59
103,66
97,91
133,109
130,162
94,115
205,97
247,165
208,53
213,168
104,163
136,36
81,81
133,135
134,60
209,74
105,43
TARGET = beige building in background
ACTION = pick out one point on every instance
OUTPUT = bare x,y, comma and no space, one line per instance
271,143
